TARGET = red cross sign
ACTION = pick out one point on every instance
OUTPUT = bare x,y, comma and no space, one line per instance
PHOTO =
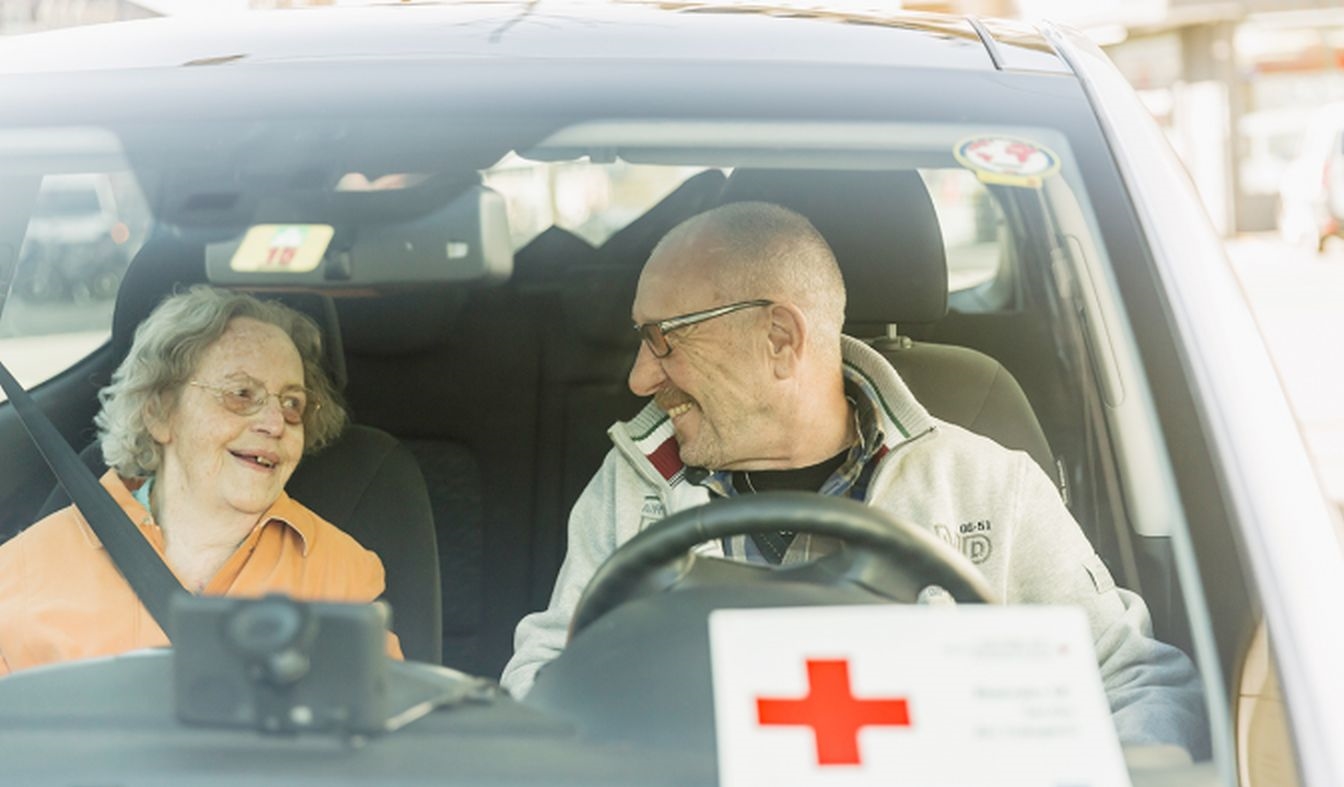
833,712
897,694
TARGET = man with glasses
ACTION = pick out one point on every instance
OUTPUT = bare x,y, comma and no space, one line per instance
754,388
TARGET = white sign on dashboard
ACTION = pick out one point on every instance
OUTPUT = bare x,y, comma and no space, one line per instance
917,696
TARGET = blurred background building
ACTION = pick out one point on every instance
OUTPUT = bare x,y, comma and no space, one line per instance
1242,89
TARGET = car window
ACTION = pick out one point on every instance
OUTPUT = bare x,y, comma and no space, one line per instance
593,200
82,231
971,223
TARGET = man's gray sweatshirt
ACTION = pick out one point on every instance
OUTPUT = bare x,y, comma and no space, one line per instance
935,474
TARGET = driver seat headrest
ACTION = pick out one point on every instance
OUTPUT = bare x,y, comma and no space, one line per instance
882,228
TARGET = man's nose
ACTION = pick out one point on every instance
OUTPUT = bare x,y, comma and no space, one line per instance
646,376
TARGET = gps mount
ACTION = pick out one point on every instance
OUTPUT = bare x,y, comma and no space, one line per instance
280,666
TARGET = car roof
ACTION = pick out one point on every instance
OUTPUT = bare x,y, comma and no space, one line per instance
533,67
569,31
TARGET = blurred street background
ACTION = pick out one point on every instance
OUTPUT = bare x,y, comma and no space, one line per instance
1298,299
1249,92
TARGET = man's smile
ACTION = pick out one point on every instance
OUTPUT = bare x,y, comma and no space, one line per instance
680,410
674,402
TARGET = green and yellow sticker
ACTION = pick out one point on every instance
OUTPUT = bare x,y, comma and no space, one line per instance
282,248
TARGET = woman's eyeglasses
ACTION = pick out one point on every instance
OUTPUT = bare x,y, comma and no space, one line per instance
654,334
247,397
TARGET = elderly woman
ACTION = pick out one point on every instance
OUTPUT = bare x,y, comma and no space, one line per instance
202,426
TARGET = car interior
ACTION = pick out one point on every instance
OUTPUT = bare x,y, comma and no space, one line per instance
479,412
479,407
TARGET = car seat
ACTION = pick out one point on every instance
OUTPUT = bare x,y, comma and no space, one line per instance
887,241
366,482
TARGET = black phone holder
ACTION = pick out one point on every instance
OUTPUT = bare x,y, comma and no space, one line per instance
280,666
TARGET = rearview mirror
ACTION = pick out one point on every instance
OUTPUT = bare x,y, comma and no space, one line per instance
465,240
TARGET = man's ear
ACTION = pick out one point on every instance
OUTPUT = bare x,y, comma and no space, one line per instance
788,338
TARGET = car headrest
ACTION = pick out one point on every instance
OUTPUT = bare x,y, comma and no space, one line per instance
596,286
631,245
166,264
882,228
403,323
593,297
163,265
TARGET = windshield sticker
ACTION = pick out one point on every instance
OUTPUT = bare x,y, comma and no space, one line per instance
282,248
1007,161
899,693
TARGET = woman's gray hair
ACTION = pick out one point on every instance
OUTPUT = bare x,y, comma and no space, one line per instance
166,352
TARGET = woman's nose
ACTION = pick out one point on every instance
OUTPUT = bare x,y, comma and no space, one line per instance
270,419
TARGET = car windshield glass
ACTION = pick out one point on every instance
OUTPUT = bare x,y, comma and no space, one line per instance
141,184
66,203
643,380
1007,222
473,267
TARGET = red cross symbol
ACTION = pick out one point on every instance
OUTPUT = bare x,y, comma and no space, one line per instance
834,714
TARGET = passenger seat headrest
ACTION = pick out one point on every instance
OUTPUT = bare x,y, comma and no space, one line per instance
882,228
165,265
161,266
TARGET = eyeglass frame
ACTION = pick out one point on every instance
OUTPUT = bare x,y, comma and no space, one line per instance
220,392
686,320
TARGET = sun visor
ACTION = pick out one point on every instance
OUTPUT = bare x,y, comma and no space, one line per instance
465,240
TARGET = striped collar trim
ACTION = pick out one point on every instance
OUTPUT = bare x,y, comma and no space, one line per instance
654,436
900,416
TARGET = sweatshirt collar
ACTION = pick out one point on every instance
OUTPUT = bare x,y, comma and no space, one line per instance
900,416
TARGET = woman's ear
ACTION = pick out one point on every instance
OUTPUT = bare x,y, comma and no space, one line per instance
787,337
155,414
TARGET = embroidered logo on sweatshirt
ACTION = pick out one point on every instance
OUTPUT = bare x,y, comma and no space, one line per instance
970,539
651,512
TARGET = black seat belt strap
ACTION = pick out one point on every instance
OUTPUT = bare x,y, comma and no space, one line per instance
133,556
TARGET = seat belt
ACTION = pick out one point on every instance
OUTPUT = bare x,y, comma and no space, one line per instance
133,556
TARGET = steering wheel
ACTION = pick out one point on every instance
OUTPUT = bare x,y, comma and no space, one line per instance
884,555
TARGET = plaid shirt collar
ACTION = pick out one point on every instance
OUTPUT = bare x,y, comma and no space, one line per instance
851,479
845,481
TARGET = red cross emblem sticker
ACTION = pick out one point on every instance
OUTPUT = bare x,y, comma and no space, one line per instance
833,712
840,696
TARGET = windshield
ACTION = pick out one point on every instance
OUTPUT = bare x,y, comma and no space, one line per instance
1002,196
57,203
468,252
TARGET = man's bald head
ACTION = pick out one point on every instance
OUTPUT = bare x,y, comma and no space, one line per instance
749,250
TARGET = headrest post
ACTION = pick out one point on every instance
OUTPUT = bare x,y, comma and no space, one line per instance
891,341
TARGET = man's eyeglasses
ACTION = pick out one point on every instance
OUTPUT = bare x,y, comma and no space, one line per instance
247,397
655,334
